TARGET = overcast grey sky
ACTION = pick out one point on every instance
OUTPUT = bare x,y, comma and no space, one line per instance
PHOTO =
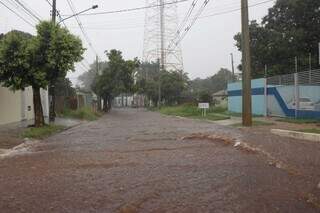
206,48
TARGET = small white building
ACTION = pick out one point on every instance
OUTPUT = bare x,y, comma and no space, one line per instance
129,101
16,106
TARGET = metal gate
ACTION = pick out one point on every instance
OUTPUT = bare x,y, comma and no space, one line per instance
294,95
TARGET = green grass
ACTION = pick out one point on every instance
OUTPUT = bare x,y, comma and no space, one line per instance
84,113
255,123
191,111
236,114
316,131
299,121
41,132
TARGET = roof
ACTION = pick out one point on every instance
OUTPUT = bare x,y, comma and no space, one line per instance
220,93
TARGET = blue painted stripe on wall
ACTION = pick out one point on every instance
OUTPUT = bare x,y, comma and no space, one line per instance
255,91
288,112
273,91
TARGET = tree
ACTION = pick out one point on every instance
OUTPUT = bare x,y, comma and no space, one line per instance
87,78
289,30
36,61
173,84
58,50
63,87
213,84
147,80
205,97
19,68
116,78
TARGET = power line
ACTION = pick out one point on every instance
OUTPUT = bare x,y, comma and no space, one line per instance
185,20
135,25
27,10
17,14
81,27
20,10
58,13
235,10
132,9
84,66
34,11
187,29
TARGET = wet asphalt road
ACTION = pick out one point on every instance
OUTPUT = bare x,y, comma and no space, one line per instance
136,161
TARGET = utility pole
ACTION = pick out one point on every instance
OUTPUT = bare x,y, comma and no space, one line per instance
310,61
159,85
97,74
162,59
246,60
54,11
266,89
296,88
52,114
232,65
162,52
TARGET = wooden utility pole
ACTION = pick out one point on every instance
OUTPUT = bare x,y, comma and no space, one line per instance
246,60
232,65
162,51
54,11
159,84
51,90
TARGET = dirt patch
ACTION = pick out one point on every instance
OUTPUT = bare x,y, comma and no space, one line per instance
104,165
313,200
243,147
8,142
213,138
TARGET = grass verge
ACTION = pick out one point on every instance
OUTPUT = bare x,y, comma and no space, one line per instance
299,121
190,111
85,113
315,131
255,123
42,132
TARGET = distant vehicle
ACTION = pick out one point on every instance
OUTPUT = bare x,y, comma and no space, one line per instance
317,106
304,104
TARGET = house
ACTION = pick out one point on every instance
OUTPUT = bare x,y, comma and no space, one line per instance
86,99
219,96
16,106
134,100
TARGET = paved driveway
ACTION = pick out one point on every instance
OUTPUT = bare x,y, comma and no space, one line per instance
138,161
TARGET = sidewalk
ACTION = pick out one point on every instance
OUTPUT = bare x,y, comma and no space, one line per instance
10,133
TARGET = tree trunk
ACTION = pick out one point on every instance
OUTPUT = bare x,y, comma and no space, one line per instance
52,113
105,103
99,103
37,107
122,100
109,103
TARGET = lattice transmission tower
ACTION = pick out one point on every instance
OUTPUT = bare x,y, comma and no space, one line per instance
161,24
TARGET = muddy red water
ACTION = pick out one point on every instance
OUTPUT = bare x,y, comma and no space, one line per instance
137,161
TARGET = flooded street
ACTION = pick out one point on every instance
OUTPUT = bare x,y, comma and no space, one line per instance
132,160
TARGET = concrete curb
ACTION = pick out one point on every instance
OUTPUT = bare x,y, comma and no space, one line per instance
296,135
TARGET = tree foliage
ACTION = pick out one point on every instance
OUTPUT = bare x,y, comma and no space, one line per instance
36,61
172,84
211,85
290,29
116,78
87,78
63,87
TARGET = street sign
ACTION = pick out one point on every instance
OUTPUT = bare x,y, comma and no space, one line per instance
203,106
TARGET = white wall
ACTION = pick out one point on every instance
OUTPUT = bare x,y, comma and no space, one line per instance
17,106
10,106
